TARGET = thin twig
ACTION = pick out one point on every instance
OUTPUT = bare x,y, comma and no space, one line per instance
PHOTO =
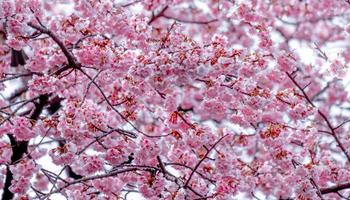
204,157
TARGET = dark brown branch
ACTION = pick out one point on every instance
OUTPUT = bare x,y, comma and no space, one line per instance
68,168
71,60
161,165
106,133
335,188
186,122
130,4
23,102
160,14
190,21
331,128
18,93
301,89
115,110
18,58
317,188
204,157
15,77
19,148
106,99
112,173
341,124
321,91
321,53
190,168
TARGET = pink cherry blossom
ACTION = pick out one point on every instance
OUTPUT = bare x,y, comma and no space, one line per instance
63,155
22,129
43,84
20,186
7,8
109,186
5,152
174,99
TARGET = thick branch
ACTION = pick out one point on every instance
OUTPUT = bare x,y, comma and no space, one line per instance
160,14
112,173
335,188
20,147
69,56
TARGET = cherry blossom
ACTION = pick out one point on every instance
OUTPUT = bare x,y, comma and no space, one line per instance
174,99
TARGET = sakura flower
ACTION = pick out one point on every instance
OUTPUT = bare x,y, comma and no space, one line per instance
16,43
41,182
43,84
5,152
22,129
109,186
88,165
20,186
338,69
7,8
63,155
301,111
286,63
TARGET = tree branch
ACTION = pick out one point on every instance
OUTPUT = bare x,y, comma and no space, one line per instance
322,115
204,157
19,148
71,60
335,188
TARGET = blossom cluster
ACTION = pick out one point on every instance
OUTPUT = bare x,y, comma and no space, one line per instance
174,99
